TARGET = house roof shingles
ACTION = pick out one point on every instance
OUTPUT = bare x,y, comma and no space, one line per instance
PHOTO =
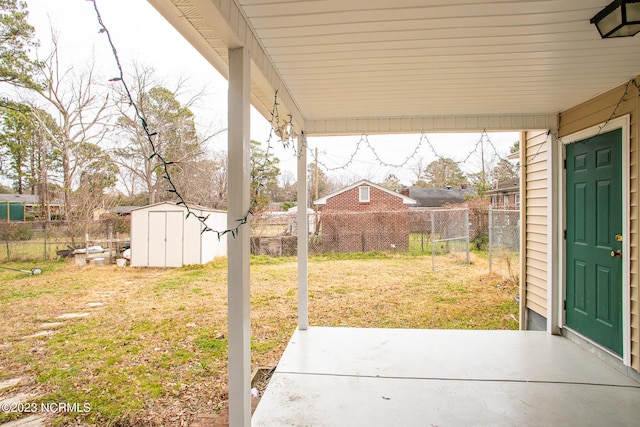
436,197
508,186
27,199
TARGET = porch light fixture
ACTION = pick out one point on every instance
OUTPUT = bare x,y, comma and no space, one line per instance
621,18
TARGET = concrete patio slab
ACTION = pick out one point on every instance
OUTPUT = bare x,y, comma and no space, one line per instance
390,377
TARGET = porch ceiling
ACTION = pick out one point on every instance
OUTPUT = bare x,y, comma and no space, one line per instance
412,65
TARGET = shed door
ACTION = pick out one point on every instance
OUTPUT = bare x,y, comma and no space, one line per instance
165,239
174,240
594,220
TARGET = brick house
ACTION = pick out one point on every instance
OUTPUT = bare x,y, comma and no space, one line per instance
505,194
364,217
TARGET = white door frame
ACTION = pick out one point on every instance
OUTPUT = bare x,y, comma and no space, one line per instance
624,124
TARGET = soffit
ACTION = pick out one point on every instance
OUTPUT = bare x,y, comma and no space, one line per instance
419,64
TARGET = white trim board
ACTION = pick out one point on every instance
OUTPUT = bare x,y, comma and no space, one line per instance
624,124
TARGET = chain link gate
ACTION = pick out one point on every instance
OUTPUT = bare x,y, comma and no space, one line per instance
449,238
504,239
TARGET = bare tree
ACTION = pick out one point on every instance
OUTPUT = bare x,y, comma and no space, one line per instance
207,184
287,190
418,167
144,158
482,180
80,111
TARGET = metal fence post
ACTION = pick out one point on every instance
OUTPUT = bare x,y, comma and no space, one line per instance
490,236
466,226
433,243
44,237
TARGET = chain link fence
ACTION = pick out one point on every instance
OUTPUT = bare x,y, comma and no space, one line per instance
504,241
365,231
275,233
35,241
449,238
441,233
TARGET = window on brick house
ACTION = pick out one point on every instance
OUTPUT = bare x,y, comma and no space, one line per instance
506,200
494,200
365,195
517,197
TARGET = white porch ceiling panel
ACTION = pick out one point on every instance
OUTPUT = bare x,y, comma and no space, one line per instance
351,66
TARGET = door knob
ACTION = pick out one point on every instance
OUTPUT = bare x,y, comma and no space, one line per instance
617,253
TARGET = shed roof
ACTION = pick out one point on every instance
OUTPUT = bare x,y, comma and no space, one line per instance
179,206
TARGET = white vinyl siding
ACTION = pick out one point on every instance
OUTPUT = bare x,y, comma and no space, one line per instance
535,203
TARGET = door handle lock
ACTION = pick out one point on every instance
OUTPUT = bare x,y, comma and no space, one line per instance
617,253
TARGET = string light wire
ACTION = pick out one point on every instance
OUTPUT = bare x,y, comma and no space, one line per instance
284,130
601,127
424,140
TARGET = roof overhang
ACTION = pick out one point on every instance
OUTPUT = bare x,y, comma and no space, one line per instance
411,66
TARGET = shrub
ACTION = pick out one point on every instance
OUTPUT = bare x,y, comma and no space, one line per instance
481,243
13,232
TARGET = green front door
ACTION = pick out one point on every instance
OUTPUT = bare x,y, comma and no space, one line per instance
593,239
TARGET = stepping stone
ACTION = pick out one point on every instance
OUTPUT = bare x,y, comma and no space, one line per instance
51,325
10,383
40,334
95,304
30,421
73,315
7,345
18,398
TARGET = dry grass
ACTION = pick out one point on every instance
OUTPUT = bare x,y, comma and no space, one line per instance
155,353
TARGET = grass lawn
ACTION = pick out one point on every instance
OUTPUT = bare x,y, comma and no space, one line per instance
155,351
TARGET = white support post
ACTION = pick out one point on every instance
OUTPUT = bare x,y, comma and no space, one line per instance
303,236
238,247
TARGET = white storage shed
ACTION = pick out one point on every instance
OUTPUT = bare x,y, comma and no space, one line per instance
163,236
